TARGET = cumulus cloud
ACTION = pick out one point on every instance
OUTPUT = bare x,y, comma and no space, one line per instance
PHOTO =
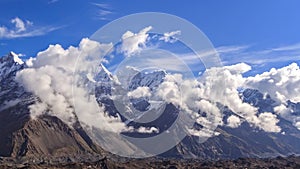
24,28
268,122
53,71
169,90
139,92
220,85
134,42
186,95
282,85
216,85
62,89
51,90
233,121
287,113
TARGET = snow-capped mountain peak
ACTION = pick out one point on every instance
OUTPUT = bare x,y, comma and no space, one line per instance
16,58
104,75
149,79
10,64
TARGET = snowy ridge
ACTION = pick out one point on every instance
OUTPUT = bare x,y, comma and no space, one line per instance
151,80
16,58
10,64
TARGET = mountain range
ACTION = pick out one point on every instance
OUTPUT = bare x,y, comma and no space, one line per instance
47,137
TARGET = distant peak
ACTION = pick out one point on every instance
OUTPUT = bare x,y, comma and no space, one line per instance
16,58
104,74
103,68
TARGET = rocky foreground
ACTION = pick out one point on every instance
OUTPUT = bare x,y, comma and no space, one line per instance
114,163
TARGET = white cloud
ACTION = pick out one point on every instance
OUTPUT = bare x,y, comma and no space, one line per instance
281,84
52,1
140,92
203,133
287,47
220,84
245,53
29,62
234,121
51,77
216,85
268,122
297,124
170,36
102,5
187,95
134,42
287,113
258,57
24,29
53,70
169,90
19,24
104,10
147,130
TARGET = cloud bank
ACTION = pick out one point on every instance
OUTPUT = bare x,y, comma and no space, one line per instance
61,88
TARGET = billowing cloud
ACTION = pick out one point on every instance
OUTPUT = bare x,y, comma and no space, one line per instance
220,85
134,42
53,71
216,85
233,121
61,89
268,122
282,84
139,92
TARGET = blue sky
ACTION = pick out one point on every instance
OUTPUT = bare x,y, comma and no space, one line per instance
247,28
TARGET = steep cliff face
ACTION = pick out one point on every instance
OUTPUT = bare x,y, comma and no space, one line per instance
14,103
43,136
22,136
48,136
